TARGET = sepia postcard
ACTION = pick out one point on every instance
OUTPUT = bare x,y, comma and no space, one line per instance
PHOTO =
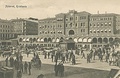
59,39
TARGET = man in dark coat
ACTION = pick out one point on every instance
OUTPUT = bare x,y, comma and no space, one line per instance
39,63
25,67
21,57
56,69
45,56
88,58
6,60
56,59
21,67
61,70
11,61
73,59
48,55
52,56
29,68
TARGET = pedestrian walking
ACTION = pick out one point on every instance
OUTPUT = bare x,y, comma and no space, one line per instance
52,56
21,67
29,68
83,55
21,58
6,60
73,59
45,55
88,58
61,70
56,59
11,61
39,63
48,55
25,67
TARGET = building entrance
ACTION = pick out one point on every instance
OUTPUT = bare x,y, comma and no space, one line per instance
71,46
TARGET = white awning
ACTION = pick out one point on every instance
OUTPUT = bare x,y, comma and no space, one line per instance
53,40
76,40
38,39
24,39
89,39
57,40
27,39
67,38
85,39
42,39
80,40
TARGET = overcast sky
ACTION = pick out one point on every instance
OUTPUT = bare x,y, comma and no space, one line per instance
48,8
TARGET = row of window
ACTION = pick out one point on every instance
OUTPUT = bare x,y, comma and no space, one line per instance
45,26
47,21
101,24
45,32
4,26
81,24
19,23
99,19
6,30
76,24
82,30
100,31
6,35
81,18
52,32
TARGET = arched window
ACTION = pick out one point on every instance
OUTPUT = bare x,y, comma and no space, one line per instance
49,40
71,32
20,40
45,40
94,40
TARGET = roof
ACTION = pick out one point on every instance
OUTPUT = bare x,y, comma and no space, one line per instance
83,12
112,73
23,19
47,19
6,21
106,14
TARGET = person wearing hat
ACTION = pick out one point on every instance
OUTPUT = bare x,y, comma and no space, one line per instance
29,68
61,69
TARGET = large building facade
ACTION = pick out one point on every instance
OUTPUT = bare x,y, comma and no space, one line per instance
6,32
75,29
25,26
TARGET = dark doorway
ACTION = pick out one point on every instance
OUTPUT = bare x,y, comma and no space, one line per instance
70,46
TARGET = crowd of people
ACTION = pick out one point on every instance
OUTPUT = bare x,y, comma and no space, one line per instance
61,56
22,67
